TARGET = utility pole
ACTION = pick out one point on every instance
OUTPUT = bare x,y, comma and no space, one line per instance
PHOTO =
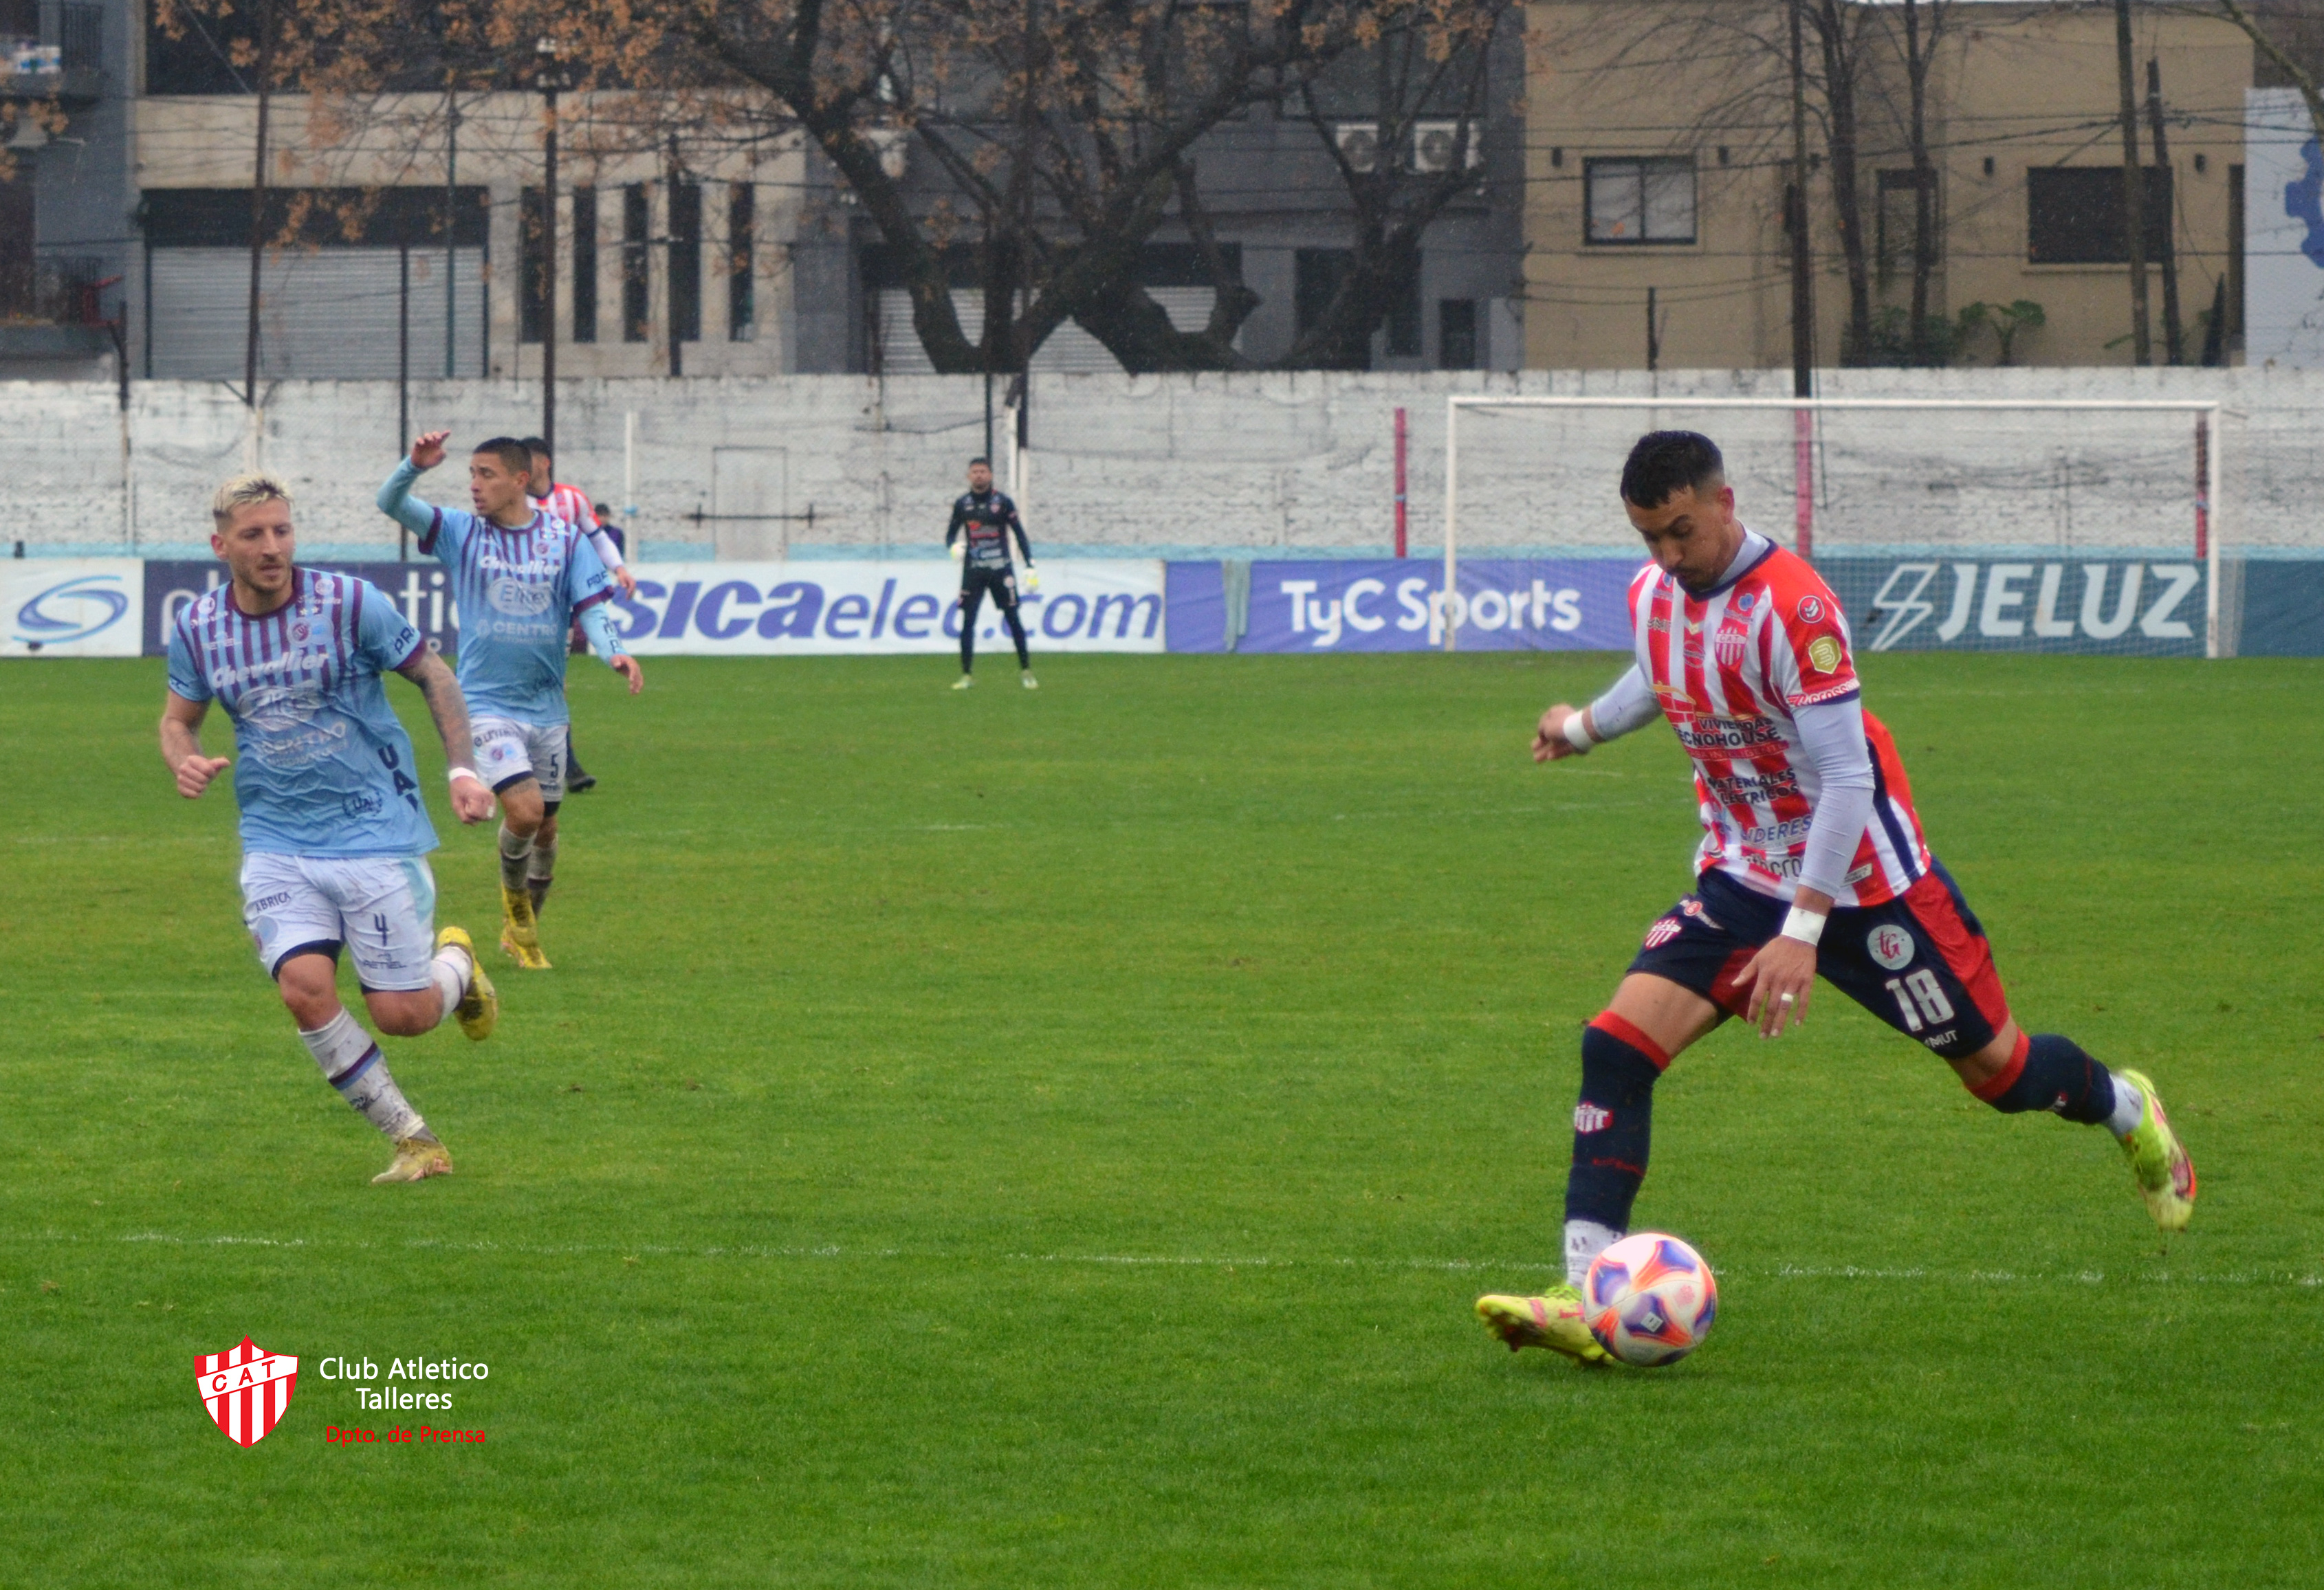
268,28
2174,334
1802,286
451,233
551,79
1803,308
2134,190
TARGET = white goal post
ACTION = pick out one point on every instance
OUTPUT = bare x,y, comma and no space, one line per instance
2030,425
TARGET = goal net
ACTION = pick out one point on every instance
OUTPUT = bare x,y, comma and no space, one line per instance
1941,524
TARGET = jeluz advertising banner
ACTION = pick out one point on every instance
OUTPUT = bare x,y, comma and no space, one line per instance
1498,604
72,607
857,609
2087,605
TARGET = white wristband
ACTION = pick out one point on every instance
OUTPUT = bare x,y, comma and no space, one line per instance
1806,926
1577,732
457,774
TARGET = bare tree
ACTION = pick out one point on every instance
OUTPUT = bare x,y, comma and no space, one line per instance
1841,26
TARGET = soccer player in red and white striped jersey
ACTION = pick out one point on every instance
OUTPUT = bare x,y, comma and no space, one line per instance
1813,862
572,505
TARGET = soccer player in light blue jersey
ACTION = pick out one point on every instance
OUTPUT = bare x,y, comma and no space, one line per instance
520,578
335,840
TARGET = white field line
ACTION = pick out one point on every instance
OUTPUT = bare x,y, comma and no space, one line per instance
1512,1267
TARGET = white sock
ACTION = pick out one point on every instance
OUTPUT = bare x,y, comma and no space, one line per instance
354,1065
452,969
1585,1241
2129,1107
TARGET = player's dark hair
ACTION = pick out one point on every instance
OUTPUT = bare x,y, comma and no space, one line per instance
1667,462
975,462
515,456
537,445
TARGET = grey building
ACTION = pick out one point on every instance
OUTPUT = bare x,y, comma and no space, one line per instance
67,193
1277,199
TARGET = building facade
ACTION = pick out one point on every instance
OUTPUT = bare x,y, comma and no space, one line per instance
1660,155
65,185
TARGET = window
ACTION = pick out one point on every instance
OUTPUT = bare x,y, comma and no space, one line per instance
1893,223
1318,274
1630,202
686,261
17,243
2073,216
584,264
532,292
634,235
1404,320
742,225
1456,333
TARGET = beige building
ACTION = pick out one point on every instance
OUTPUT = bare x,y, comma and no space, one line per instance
1659,153
644,247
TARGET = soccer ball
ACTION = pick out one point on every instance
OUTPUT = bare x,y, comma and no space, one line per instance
1649,1299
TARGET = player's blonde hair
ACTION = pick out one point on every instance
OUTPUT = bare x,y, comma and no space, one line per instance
241,491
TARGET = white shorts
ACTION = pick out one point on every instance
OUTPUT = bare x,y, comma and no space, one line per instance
381,907
508,750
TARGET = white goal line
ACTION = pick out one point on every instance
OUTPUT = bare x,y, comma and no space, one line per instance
2207,410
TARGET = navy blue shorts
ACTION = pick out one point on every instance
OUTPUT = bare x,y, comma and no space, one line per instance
1919,962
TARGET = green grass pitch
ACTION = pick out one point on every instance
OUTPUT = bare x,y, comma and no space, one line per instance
1054,1139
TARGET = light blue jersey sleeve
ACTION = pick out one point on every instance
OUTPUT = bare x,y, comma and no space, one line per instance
185,674
441,530
585,578
384,638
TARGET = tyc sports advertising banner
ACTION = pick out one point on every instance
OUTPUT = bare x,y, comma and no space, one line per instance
1511,604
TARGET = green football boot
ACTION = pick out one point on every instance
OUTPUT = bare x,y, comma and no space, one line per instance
1552,1320
2159,1161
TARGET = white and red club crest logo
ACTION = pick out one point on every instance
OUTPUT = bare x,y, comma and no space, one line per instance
246,1389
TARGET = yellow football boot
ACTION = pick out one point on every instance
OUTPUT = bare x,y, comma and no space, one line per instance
2159,1161
416,1160
1552,1320
480,1009
520,932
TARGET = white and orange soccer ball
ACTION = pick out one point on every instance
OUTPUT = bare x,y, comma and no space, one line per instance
1649,1299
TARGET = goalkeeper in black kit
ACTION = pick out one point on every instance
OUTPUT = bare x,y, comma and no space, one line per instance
981,522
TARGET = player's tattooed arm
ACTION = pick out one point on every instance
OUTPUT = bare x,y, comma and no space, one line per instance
182,745
471,801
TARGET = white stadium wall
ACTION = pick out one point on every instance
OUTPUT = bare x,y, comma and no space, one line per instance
1271,465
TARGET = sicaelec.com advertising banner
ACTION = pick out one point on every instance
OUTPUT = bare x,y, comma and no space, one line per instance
856,608
758,609
1498,604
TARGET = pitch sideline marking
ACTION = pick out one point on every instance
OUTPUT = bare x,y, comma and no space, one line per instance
1778,1272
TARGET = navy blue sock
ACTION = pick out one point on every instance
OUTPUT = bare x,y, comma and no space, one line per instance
2052,1073
1613,1122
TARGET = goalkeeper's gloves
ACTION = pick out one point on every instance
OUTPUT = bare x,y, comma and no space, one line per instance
1032,578
959,550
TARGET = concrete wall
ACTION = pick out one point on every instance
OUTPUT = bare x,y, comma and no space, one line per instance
1289,464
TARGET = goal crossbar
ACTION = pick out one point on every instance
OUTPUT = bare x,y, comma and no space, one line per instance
2209,410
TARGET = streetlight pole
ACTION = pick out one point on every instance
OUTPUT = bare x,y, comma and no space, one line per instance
549,78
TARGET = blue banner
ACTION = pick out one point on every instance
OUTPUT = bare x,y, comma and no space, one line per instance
2087,605
1501,605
